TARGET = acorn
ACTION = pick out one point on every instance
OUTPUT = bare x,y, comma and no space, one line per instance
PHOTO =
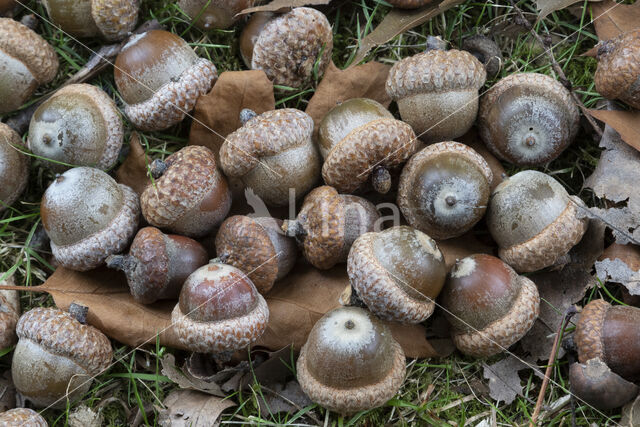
80,126
409,4
26,62
329,223
57,357
88,217
158,264
290,48
444,189
9,314
160,79
397,273
19,417
534,220
274,155
359,139
258,247
437,92
490,307
14,169
350,362
528,119
112,20
619,68
219,311
594,383
189,195
486,51
612,334
214,14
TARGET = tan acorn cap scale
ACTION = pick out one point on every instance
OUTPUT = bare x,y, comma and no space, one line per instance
14,167
26,62
289,47
88,217
110,19
444,189
56,355
437,92
612,334
258,247
329,223
220,310
350,362
488,305
273,154
619,68
79,125
9,314
594,383
534,220
360,139
160,79
214,14
397,273
158,264
19,417
528,119
188,195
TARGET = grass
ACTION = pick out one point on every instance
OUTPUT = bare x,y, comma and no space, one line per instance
436,391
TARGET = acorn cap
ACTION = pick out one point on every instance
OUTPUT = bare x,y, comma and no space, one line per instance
385,143
619,68
59,333
9,314
430,217
115,18
383,285
24,44
588,334
245,243
290,46
508,107
18,417
350,362
265,135
594,383
14,172
230,330
409,4
435,71
78,125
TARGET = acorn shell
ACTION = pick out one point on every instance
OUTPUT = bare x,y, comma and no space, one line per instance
214,14
619,68
595,384
528,119
14,167
18,417
79,125
115,19
445,169
73,17
291,46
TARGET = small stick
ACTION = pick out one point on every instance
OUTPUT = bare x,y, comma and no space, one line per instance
552,359
556,67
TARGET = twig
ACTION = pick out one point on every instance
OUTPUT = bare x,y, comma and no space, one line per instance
522,20
96,64
552,359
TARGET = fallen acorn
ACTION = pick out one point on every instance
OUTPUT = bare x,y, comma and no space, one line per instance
19,417
214,14
619,68
594,383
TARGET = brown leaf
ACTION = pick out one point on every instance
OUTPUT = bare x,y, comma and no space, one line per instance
504,382
397,22
360,81
621,264
626,123
192,408
546,7
217,114
133,171
279,5
280,398
185,380
612,19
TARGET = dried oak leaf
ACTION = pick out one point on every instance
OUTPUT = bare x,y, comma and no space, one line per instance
621,264
397,22
217,114
192,408
288,398
546,7
185,380
133,171
611,19
504,382
626,123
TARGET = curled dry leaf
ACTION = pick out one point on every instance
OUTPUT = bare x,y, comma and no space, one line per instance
185,380
626,123
281,5
612,19
133,171
192,408
621,264
217,113
504,381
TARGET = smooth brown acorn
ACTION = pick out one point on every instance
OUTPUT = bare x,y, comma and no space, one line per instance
214,14
619,68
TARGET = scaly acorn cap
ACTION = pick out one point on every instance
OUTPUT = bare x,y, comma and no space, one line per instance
18,417
386,143
9,314
115,18
290,45
619,68
14,173
435,71
59,333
